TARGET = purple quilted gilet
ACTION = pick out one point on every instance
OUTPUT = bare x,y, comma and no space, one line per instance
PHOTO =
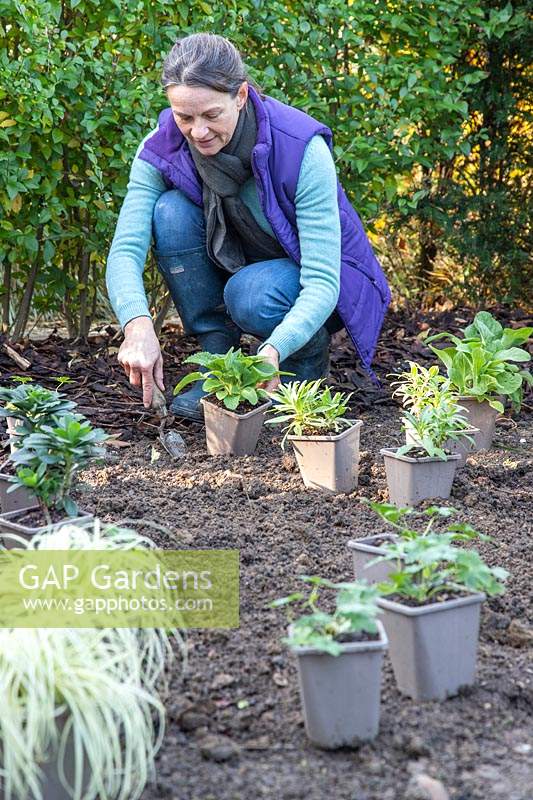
282,136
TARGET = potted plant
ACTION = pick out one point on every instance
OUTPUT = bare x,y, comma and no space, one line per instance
47,463
325,443
82,716
366,550
28,405
339,657
432,612
419,387
482,366
235,405
429,471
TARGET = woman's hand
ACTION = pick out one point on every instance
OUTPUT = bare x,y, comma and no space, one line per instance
271,356
140,356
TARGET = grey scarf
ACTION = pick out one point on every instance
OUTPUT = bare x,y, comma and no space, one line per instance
234,238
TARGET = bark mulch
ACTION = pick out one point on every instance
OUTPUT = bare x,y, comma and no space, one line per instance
235,729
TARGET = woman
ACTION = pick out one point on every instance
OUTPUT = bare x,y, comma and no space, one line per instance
252,231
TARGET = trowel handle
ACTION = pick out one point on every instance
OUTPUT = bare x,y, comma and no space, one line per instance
159,403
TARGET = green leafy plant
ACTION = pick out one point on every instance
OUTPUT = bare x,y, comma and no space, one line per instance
481,363
434,426
95,688
398,519
50,457
233,377
309,408
430,564
355,612
420,386
33,405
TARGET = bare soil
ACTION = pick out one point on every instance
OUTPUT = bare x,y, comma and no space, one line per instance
235,728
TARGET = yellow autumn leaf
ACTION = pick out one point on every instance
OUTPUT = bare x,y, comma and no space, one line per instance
16,203
3,115
385,36
8,123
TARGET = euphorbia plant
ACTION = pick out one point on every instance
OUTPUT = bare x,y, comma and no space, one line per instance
431,565
233,378
481,363
33,405
355,612
50,457
309,408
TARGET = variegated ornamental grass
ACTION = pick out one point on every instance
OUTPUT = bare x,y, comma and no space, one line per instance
95,688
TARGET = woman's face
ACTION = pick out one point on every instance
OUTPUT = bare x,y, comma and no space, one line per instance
205,117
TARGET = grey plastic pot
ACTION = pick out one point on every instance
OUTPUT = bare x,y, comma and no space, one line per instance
50,784
364,551
12,424
411,480
228,433
481,416
329,463
9,524
461,447
341,694
433,647
15,500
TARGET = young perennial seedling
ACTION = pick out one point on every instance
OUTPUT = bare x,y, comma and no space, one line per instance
356,611
397,518
481,363
420,386
233,378
309,409
50,457
431,565
433,426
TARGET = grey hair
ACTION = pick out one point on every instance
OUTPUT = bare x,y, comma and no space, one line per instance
205,59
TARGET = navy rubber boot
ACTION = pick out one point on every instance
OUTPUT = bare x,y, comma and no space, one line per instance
311,361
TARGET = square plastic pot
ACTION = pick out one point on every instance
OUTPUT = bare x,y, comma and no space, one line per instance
9,524
411,480
228,433
14,501
329,463
50,784
481,416
366,550
341,694
461,447
433,647
12,424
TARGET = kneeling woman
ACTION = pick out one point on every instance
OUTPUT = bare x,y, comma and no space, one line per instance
252,231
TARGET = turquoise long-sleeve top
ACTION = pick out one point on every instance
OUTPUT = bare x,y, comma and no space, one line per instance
317,217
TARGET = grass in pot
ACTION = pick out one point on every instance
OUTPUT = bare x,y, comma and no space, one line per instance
235,402
82,716
483,368
432,608
429,470
46,465
339,657
325,443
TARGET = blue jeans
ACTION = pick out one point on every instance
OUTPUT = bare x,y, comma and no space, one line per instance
254,300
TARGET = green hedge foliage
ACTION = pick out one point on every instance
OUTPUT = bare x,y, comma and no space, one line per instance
424,99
